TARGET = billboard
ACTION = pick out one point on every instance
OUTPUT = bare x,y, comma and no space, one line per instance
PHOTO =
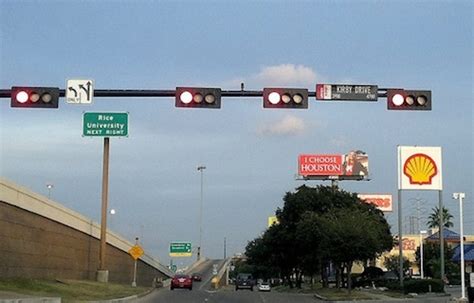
419,168
354,163
382,202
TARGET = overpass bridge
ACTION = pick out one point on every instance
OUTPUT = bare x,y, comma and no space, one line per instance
42,239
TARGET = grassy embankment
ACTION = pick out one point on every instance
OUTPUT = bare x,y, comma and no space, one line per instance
70,290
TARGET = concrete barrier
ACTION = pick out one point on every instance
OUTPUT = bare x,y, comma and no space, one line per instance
43,239
221,274
191,269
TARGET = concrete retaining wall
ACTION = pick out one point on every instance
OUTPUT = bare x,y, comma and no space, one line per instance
40,238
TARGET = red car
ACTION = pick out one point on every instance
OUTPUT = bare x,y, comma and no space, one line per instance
181,281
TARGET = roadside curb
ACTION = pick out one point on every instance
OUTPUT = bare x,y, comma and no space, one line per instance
32,300
131,298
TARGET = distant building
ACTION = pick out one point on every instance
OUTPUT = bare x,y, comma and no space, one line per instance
411,242
468,256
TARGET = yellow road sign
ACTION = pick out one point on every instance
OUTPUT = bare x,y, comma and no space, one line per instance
136,252
272,220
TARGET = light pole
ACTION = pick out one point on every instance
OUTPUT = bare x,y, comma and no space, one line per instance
461,196
422,232
49,186
201,169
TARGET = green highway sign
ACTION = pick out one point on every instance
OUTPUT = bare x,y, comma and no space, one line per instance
180,249
105,125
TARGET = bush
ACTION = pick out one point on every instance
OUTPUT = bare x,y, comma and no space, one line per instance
372,276
423,286
394,285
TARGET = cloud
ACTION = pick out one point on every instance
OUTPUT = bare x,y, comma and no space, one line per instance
289,125
285,75
339,142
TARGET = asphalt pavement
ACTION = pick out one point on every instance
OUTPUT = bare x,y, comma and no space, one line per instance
203,292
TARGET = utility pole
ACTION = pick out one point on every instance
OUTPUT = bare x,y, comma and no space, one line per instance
225,248
200,168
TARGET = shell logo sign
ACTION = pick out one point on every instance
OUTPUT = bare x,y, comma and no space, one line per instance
419,168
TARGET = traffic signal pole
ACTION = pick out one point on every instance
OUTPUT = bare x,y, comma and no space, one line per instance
139,93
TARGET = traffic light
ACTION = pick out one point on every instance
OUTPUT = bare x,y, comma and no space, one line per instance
400,99
198,97
34,97
285,98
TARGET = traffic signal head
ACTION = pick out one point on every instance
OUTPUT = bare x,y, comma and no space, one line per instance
285,98
198,97
400,99
35,97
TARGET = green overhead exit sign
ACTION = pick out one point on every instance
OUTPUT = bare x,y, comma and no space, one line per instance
180,249
105,125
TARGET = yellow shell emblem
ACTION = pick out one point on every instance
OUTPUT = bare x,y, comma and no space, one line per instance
420,169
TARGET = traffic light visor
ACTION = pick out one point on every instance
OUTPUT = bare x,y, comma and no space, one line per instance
198,97
285,98
35,97
400,99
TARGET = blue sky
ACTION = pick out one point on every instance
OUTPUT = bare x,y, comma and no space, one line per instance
250,153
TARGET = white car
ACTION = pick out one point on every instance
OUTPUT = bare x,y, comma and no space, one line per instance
264,286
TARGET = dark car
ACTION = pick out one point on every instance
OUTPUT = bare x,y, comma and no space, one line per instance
244,281
197,277
181,281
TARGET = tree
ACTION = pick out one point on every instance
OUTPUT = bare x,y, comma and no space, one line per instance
392,263
433,219
317,226
432,260
355,234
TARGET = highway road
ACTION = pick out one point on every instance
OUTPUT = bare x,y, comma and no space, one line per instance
203,293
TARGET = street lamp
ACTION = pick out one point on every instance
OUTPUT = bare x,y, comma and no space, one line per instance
112,212
461,196
422,232
200,168
49,186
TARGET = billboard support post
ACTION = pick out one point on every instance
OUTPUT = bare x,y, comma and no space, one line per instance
334,184
400,237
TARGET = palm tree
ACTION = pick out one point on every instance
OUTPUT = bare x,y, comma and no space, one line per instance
433,219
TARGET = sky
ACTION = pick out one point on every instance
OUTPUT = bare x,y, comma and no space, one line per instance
250,153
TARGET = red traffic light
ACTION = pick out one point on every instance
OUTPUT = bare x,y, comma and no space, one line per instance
35,97
198,97
400,99
285,98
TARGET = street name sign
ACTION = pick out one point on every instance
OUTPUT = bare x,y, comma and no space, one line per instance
346,92
180,249
79,91
105,125
136,252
